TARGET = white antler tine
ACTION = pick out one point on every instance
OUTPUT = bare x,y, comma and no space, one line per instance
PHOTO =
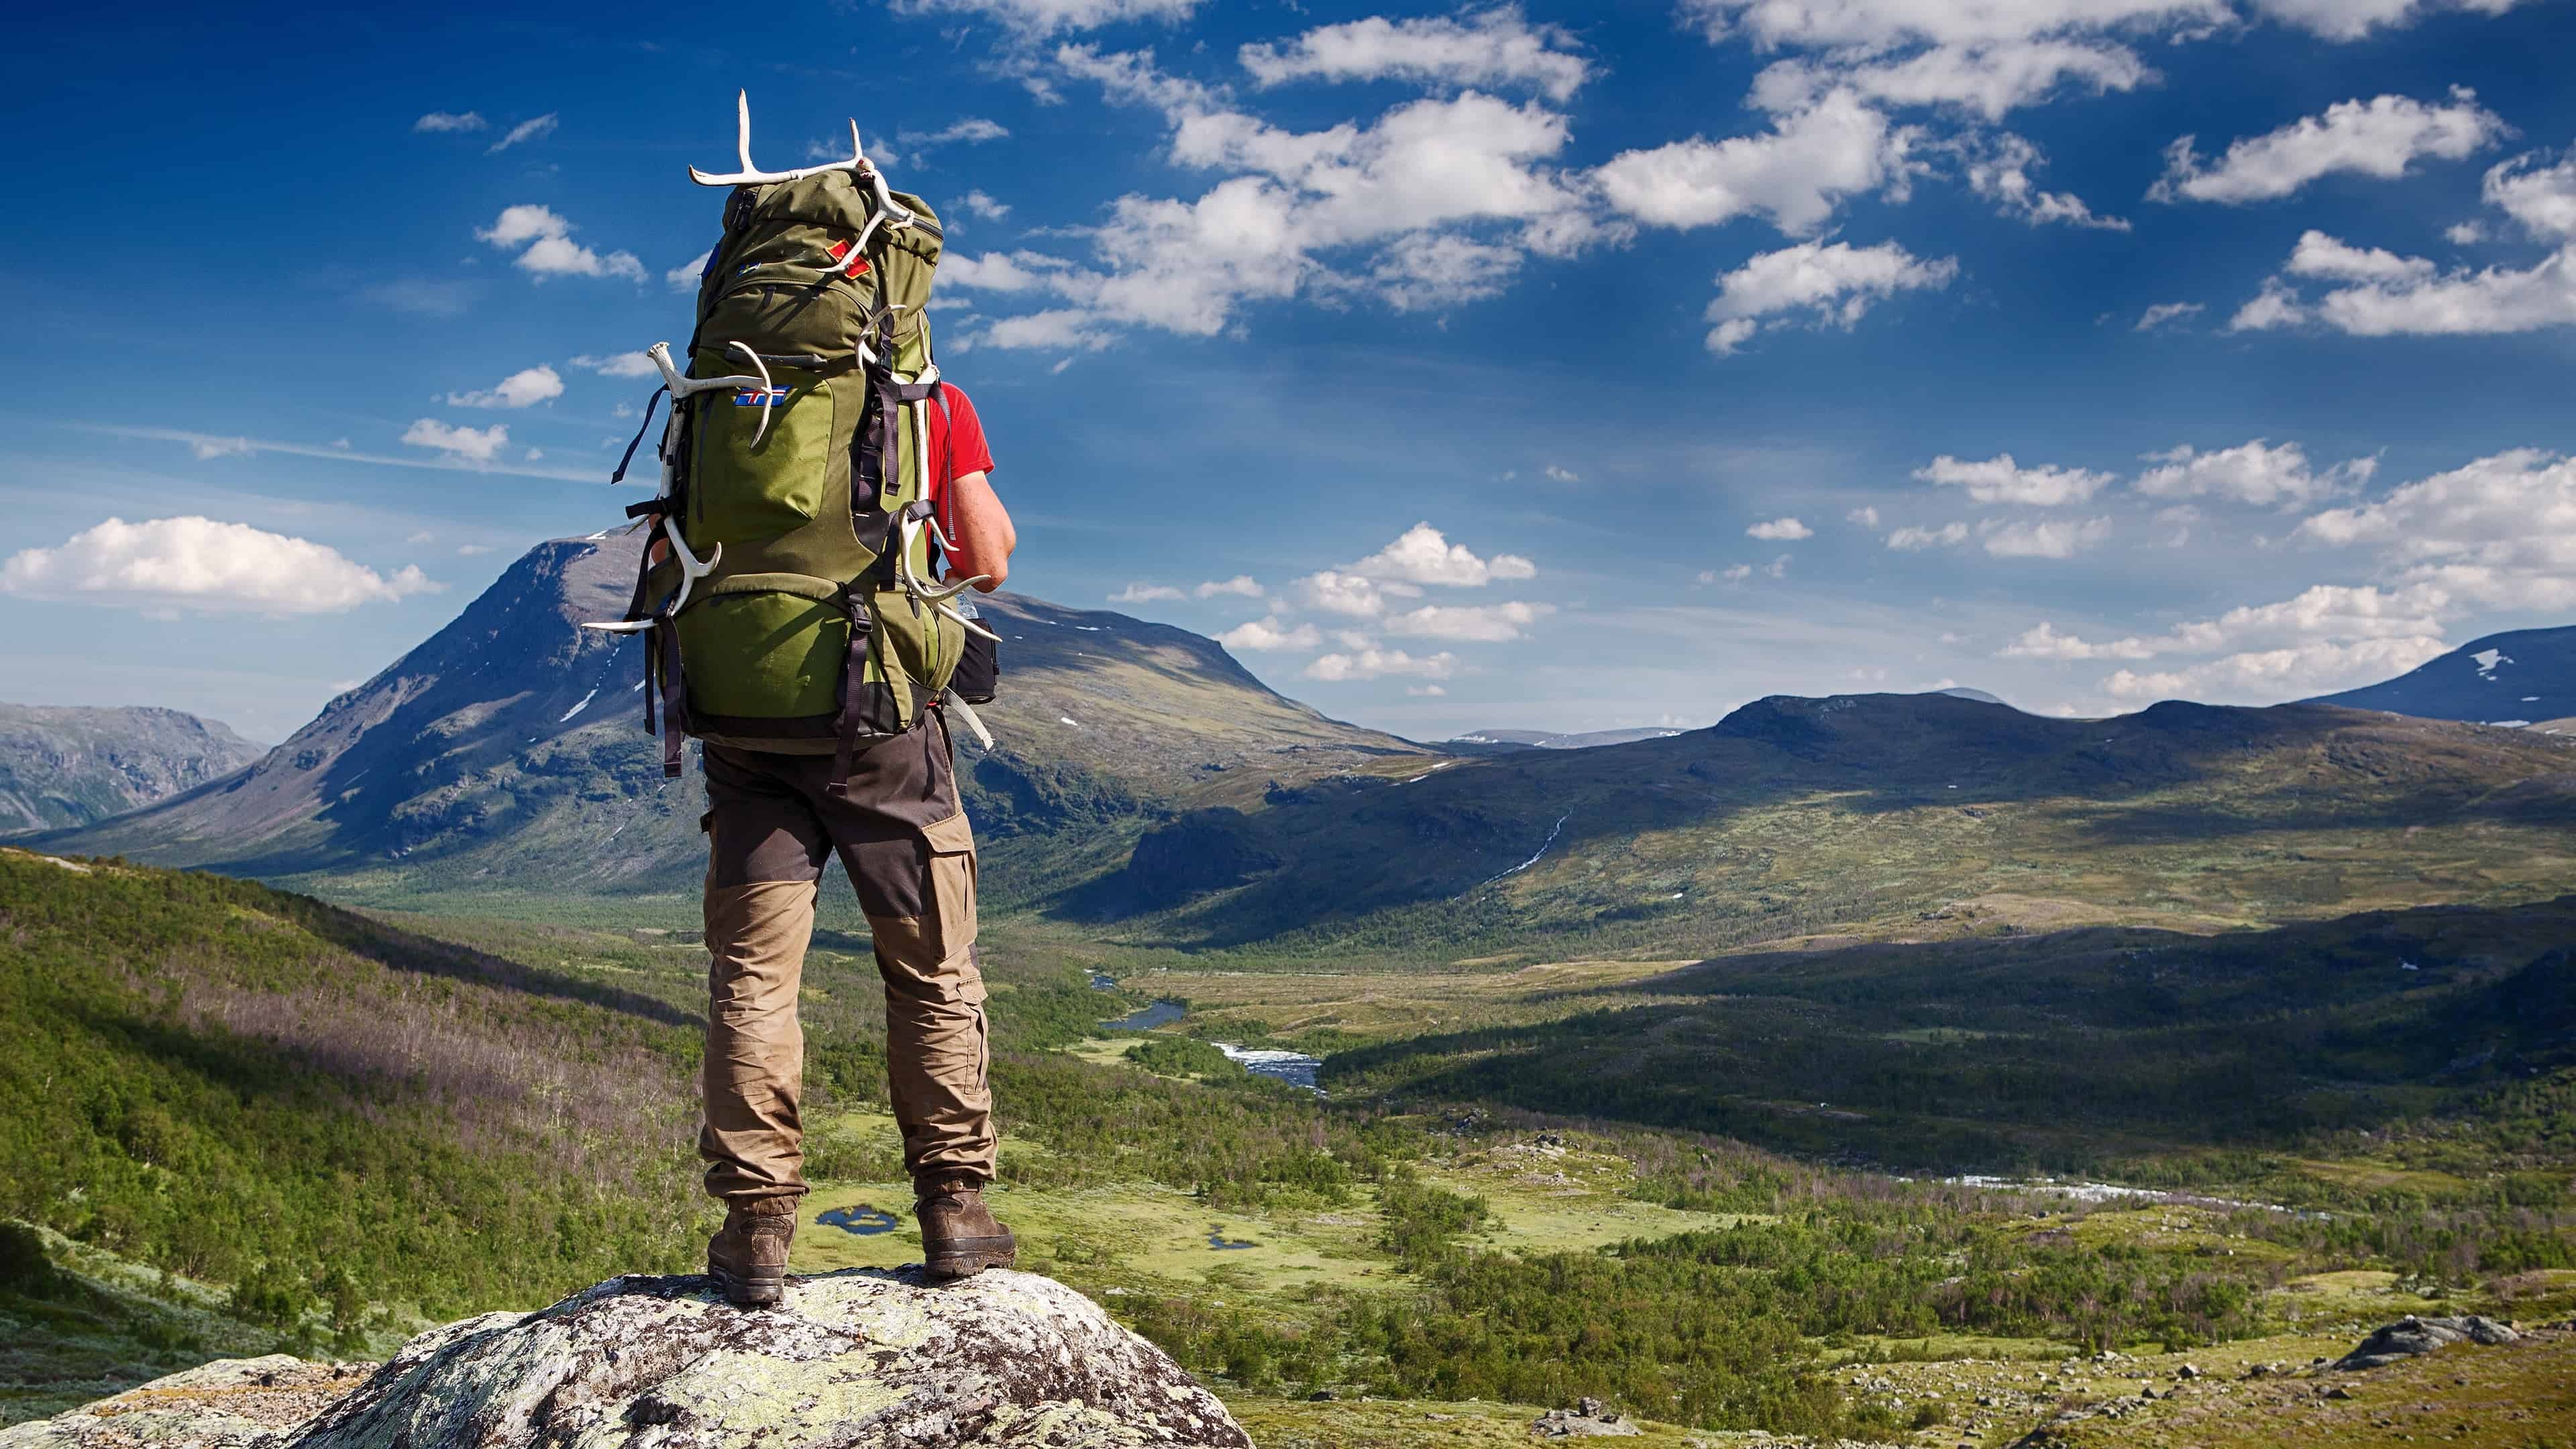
858,155
742,129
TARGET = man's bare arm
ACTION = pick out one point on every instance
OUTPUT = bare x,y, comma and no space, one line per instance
985,537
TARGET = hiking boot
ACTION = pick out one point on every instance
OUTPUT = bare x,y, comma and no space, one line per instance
748,1256
960,1237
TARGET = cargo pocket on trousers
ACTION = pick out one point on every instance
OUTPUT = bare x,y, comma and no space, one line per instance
948,912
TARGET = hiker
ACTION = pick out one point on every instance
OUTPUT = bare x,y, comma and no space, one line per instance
814,469
903,839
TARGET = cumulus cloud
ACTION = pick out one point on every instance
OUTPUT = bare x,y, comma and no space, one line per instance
525,388
1376,663
546,248
1796,175
2050,538
1497,47
2164,312
1269,635
528,130
1780,530
468,445
1866,517
1914,538
2500,530
1477,623
980,205
684,277
201,563
1999,169
1423,555
1039,18
1146,594
972,130
1989,80
2381,138
2325,613
1834,283
2254,472
2001,480
618,364
437,121
2384,294
1348,594
2264,676
1241,586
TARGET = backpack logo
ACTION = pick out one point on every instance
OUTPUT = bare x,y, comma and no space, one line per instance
760,397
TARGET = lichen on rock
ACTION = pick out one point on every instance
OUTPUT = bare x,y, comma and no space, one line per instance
856,1360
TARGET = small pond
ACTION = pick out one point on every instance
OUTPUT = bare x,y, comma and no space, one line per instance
1223,1244
864,1219
1158,1014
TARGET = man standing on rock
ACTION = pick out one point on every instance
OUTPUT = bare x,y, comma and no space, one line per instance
902,836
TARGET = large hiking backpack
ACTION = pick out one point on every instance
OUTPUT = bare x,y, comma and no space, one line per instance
784,594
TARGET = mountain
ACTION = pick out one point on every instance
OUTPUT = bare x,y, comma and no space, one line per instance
69,766
506,753
2522,677
1889,815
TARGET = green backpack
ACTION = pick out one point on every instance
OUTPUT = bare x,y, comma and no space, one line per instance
784,593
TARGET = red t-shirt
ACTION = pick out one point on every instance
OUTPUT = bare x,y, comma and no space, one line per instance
957,448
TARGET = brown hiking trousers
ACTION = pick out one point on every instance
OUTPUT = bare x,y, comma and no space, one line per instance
903,839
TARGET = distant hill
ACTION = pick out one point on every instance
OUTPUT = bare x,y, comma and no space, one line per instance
1867,812
65,766
2523,677
506,753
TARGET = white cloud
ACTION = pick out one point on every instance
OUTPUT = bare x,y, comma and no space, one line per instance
550,249
2501,530
1035,18
2541,198
2049,538
1241,586
684,277
529,130
1375,663
2381,137
1835,282
2264,676
208,448
980,204
2001,480
2042,641
1145,594
469,445
202,564
1988,79
2353,19
1878,25
525,388
1914,537
1796,175
2254,473
618,364
1336,592
1866,517
450,121
1269,635
1779,530
2164,312
1496,47
1731,574
1476,623
2324,613
1423,555
2276,305
973,130
1555,474
1999,168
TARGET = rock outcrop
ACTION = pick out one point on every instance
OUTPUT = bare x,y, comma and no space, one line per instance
853,1360
2410,1336
233,1403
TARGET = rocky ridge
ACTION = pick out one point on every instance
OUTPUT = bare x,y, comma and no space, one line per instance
854,1360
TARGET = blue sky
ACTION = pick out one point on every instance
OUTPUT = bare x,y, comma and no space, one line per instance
1545,366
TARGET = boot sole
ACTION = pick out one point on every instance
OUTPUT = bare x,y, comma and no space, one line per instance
749,1292
966,1262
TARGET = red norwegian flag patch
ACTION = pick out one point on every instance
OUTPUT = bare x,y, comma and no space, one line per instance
858,266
